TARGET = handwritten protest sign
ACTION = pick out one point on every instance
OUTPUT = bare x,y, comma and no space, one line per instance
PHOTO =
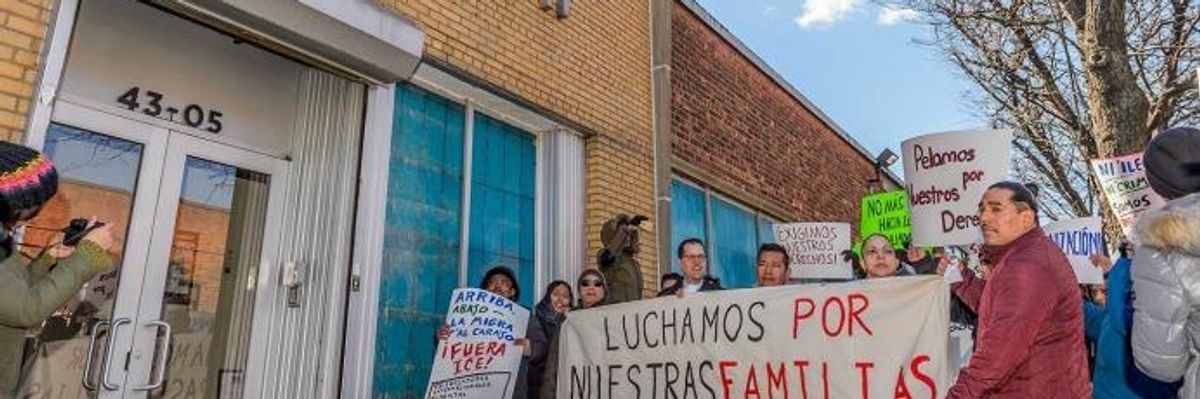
479,360
1079,239
947,174
887,214
816,249
1123,180
879,338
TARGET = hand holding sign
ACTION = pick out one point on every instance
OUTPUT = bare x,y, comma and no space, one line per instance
479,350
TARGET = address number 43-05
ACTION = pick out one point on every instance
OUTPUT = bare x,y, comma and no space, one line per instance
152,103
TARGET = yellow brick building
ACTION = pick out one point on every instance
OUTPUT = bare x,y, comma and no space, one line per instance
23,25
590,69
377,155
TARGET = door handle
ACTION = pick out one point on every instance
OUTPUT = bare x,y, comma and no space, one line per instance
161,376
91,353
112,341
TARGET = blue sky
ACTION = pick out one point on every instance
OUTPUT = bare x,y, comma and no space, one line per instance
856,61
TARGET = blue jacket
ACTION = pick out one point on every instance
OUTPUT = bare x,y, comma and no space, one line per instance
1115,375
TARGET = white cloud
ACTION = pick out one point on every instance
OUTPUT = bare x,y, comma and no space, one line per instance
892,14
818,13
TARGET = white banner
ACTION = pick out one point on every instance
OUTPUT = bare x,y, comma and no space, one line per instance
947,174
479,360
878,338
1080,239
816,249
1123,180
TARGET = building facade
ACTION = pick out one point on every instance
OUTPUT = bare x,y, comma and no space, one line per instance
749,150
297,185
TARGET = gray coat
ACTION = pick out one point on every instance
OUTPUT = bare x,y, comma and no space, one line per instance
1166,285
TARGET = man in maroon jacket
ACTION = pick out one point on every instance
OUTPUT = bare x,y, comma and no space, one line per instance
1030,337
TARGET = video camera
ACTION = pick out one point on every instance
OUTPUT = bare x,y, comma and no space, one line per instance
76,230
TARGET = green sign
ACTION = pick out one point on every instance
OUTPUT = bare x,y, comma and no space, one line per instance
886,213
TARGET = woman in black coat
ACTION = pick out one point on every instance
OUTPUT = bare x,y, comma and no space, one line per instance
547,316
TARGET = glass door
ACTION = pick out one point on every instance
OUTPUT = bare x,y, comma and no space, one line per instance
109,169
208,272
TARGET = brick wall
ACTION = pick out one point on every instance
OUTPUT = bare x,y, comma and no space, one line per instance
592,68
734,124
23,26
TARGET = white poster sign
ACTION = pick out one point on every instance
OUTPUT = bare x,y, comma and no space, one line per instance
816,249
947,174
1123,180
1080,239
479,359
878,338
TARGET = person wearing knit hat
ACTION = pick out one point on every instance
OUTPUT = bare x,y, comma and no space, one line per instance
501,280
31,291
1166,264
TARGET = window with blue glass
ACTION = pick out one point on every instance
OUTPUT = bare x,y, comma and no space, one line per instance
502,203
732,232
688,210
424,226
734,245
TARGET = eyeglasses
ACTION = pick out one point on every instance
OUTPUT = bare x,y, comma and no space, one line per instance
699,257
591,282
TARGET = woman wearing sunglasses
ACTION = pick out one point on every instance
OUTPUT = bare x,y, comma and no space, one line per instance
592,293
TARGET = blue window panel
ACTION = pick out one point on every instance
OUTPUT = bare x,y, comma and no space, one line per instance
503,180
421,238
766,234
687,217
736,244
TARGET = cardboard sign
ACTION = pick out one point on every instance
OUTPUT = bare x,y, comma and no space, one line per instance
1080,239
947,174
887,214
479,360
1123,180
816,249
878,338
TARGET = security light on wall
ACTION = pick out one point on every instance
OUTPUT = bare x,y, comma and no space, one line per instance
886,158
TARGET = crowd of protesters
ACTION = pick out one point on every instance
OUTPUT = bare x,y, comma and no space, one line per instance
1038,333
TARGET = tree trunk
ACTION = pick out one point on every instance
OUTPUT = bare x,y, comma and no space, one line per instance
1118,107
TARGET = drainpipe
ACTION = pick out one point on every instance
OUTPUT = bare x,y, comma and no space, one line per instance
660,64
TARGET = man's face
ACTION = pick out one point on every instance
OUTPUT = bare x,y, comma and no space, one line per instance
772,270
694,262
499,284
1001,220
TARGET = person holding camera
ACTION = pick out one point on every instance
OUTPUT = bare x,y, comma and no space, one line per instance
618,257
32,290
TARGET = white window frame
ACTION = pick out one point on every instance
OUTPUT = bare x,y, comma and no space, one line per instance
363,311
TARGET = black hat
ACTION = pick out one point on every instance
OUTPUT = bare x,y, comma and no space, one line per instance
1172,160
27,180
506,272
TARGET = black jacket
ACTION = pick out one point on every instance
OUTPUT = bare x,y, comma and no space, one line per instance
709,283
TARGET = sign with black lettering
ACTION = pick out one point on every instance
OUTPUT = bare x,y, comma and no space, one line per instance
886,214
947,174
479,359
154,104
879,338
1123,180
816,249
